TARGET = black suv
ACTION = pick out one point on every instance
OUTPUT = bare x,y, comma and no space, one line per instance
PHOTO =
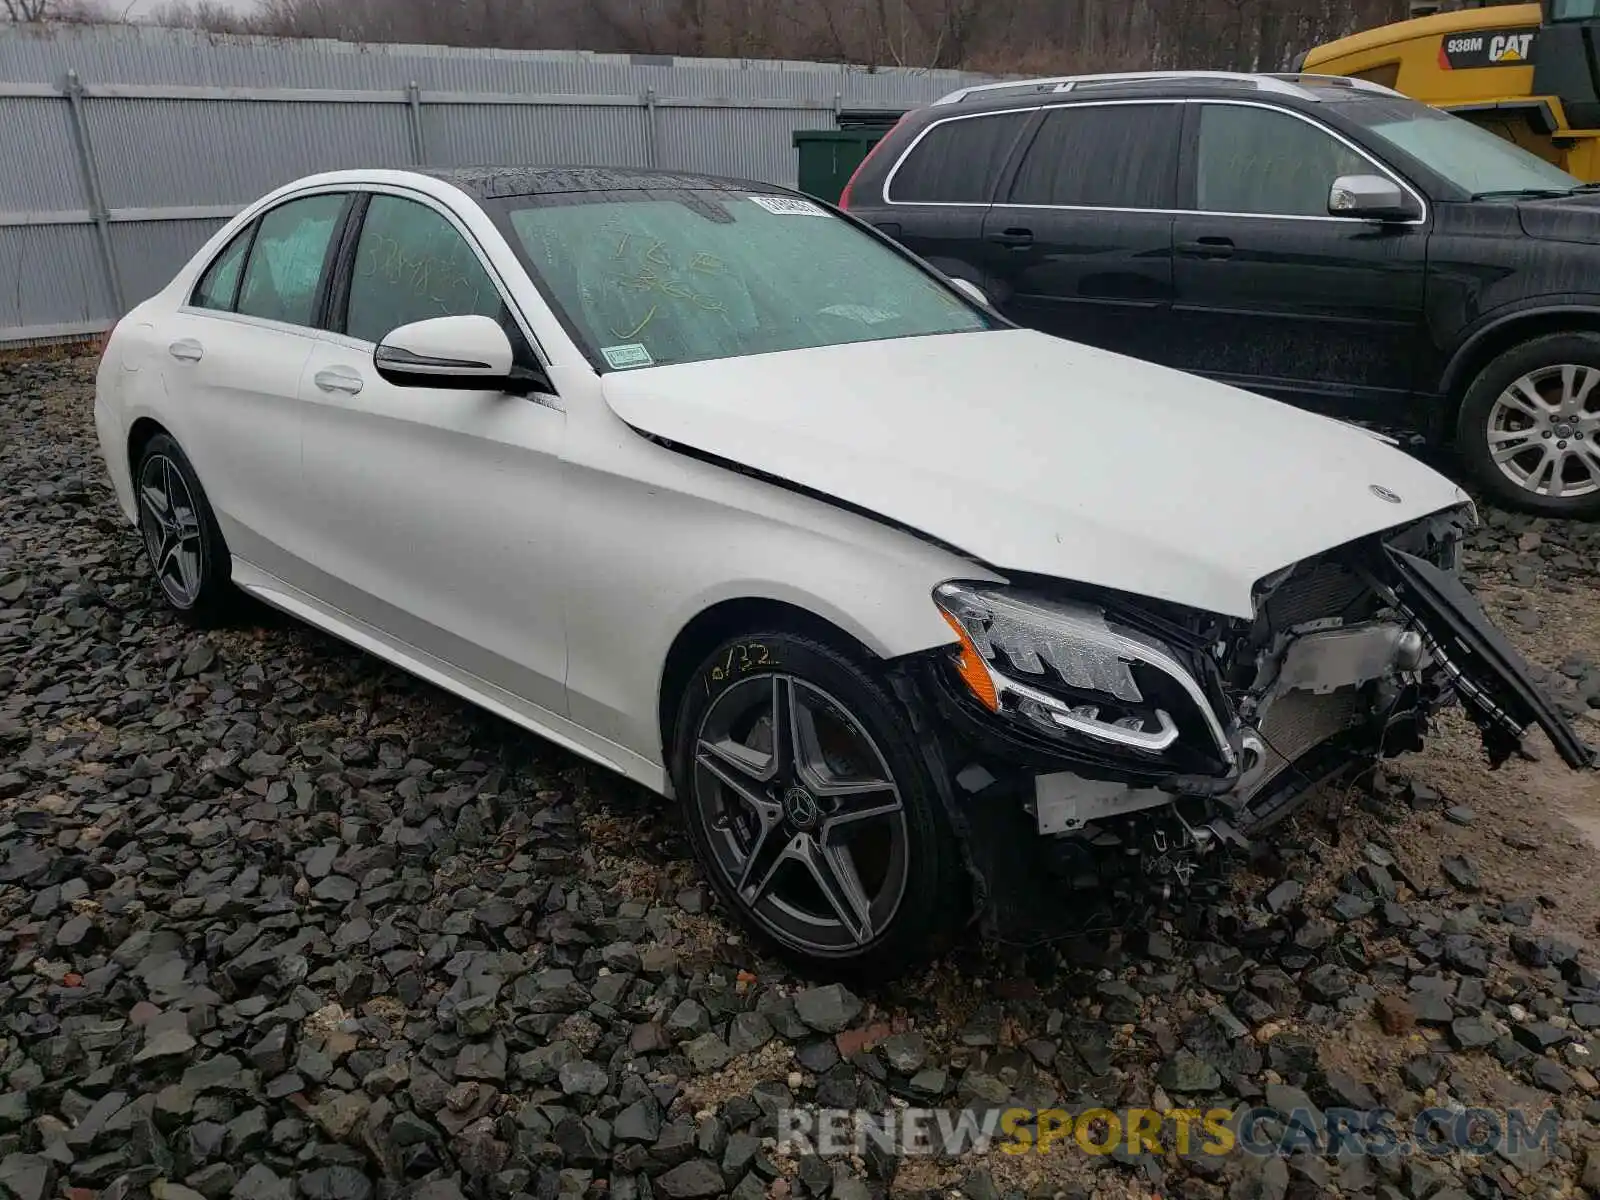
1322,240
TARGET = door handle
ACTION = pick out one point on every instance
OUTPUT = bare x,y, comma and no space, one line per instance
187,350
339,379
1014,237
1207,247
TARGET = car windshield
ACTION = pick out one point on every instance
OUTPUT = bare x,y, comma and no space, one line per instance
647,278
1473,159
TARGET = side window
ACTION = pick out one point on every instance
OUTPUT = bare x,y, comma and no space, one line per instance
1268,163
285,267
1103,156
956,161
412,264
219,286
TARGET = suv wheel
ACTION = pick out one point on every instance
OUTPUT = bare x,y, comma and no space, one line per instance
810,808
1529,428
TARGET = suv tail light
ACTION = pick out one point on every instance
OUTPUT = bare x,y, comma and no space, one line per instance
844,196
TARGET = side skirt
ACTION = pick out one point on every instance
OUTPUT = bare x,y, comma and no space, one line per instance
540,721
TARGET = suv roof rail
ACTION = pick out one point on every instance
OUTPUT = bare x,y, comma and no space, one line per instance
1311,79
1281,84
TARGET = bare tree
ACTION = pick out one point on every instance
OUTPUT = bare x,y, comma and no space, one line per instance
202,14
1023,36
28,10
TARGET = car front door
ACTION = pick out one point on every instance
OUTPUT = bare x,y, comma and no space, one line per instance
1274,293
440,511
233,361
1080,243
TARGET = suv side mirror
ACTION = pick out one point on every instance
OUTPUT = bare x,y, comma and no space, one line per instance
463,353
1369,197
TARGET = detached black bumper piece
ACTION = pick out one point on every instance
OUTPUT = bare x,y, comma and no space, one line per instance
1490,676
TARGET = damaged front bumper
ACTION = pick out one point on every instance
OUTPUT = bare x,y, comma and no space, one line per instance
1117,744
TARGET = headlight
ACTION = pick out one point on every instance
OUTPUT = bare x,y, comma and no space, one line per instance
1068,671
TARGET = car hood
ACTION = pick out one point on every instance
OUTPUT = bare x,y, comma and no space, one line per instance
1039,455
1570,219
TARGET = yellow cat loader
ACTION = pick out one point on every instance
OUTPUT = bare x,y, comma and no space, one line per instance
1529,72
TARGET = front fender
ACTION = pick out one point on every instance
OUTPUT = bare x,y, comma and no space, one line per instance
668,537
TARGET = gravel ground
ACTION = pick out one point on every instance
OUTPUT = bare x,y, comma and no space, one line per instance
277,921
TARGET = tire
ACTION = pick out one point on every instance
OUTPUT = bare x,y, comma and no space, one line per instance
188,558
1563,442
904,900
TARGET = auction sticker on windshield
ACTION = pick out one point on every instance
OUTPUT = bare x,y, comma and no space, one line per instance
630,355
789,206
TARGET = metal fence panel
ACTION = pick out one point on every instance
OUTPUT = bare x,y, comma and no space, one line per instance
149,54
125,146
750,143
50,275
149,253
41,168
467,135
156,153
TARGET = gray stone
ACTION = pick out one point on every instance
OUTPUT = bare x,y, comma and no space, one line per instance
692,1180
1187,1073
583,1078
827,1009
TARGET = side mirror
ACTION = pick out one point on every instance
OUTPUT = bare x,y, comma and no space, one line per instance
468,353
971,291
1371,198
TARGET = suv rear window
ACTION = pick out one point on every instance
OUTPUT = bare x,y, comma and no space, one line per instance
1103,156
956,161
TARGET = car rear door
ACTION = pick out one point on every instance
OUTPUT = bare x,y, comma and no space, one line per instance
234,355
934,198
1080,243
440,511
1273,292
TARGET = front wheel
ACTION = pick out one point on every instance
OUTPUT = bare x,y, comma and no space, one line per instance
810,807
1529,429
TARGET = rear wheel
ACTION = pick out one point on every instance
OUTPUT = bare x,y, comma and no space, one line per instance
810,807
187,554
1529,428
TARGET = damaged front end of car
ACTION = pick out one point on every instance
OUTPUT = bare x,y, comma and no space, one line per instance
1106,754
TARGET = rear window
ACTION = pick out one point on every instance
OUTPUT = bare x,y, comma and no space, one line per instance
1103,156
957,161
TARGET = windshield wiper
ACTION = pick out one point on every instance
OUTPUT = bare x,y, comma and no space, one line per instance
1524,194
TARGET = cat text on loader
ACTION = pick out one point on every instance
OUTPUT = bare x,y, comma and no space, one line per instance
1529,72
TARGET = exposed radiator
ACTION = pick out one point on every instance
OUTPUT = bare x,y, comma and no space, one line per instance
1299,721
1319,589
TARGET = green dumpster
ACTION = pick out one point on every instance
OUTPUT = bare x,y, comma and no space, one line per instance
828,157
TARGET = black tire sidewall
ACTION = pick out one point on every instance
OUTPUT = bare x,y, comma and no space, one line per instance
216,565
1472,425
932,899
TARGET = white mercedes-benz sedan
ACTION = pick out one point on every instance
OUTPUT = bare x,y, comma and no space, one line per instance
921,616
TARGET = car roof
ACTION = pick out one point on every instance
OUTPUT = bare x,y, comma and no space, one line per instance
1176,85
487,183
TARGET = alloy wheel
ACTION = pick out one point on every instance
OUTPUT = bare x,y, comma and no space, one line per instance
801,813
171,526
1544,431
